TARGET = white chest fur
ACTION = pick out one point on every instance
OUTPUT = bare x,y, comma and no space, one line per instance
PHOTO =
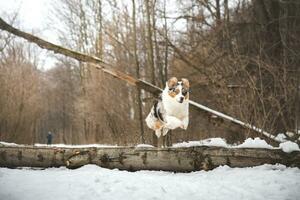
173,107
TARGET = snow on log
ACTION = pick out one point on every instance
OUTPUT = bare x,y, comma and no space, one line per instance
185,159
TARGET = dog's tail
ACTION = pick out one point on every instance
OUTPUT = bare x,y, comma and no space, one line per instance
157,116
158,111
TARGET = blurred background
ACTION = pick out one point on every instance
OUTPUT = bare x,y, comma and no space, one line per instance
242,57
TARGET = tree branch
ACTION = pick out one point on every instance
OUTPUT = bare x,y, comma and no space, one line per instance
99,64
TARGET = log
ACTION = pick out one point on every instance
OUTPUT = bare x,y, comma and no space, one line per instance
145,158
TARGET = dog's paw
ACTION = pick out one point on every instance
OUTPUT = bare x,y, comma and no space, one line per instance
158,133
184,126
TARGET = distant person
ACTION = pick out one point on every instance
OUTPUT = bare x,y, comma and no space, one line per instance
49,138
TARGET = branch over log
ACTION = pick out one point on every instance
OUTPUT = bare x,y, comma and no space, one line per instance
142,158
109,69
99,64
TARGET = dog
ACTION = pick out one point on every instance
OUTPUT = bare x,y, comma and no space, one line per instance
171,110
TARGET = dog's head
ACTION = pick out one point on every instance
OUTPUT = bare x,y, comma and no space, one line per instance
179,90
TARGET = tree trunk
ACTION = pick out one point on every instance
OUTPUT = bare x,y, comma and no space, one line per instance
142,158
165,71
139,97
150,44
150,55
218,13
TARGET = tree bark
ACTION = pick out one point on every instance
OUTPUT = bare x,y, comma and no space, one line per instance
142,158
150,54
137,64
150,42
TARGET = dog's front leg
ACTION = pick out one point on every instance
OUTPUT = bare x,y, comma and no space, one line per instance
173,123
185,123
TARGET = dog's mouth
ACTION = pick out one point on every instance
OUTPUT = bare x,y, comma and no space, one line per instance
181,99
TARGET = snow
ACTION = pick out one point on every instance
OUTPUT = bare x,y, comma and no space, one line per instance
290,134
289,146
77,146
248,143
61,145
218,142
255,143
144,146
281,136
92,182
8,144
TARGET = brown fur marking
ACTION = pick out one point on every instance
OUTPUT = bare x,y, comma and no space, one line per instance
174,93
186,96
158,125
185,83
172,82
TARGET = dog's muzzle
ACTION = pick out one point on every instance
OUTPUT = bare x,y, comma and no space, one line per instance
181,99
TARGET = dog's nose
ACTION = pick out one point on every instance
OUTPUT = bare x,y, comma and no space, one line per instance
181,99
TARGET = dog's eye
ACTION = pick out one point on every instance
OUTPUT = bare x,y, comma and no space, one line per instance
172,89
184,92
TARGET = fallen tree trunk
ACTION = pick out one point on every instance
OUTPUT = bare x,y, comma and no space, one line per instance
142,158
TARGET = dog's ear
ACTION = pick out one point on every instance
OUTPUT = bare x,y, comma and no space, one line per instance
185,83
172,82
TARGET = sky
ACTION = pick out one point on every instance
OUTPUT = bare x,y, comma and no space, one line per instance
33,18
32,13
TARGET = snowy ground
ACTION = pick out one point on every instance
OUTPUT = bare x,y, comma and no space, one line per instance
94,183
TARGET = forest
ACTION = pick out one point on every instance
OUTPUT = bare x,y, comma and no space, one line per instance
241,58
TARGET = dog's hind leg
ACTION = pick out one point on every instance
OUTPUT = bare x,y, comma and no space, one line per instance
158,133
165,131
164,141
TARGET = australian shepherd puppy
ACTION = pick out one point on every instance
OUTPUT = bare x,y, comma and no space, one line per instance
171,110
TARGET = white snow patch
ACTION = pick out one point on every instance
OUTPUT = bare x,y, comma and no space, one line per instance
248,143
187,144
144,146
9,144
91,182
281,137
61,145
290,133
289,146
255,143
218,142
76,146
